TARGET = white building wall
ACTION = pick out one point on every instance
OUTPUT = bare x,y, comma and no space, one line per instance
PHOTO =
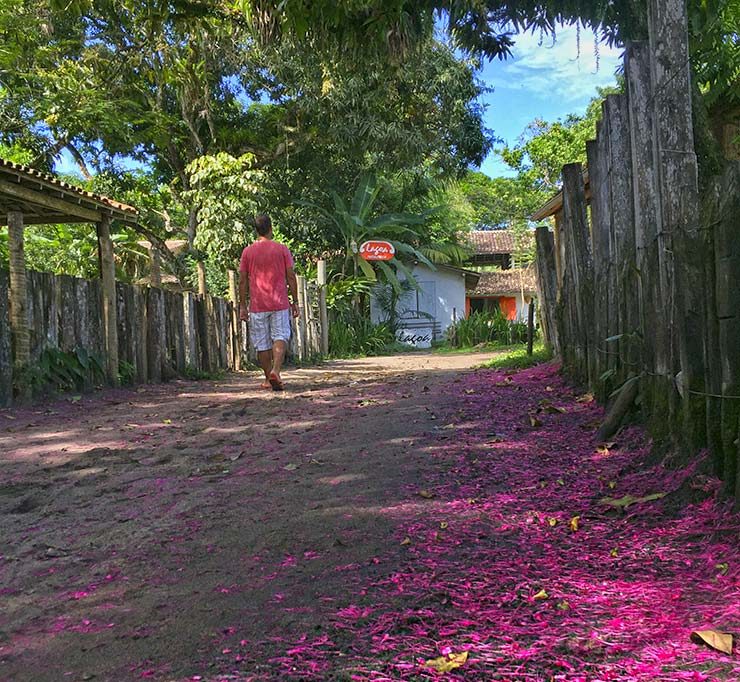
443,289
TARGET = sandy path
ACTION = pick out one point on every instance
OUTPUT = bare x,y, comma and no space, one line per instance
379,514
138,525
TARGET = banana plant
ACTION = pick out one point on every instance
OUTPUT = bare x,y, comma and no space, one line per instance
355,225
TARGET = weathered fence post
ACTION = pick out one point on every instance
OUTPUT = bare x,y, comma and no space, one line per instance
601,249
155,266
726,220
323,313
154,333
578,272
624,306
679,202
108,278
657,383
234,335
547,284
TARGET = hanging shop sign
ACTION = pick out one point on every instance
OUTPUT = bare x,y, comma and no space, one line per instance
377,250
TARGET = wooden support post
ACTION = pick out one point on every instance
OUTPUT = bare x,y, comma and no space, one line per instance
18,297
6,344
530,325
679,203
110,317
323,312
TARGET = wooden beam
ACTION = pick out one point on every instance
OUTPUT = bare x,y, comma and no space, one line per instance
39,199
18,295
110,317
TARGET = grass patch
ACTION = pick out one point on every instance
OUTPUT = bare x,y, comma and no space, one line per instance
491,347
517,358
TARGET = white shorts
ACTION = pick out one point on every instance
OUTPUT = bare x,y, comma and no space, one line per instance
266,328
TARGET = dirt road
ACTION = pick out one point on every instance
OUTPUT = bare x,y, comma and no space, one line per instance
377,515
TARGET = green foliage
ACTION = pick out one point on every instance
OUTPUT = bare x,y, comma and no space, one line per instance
486,328
496,203
517,358
355,224
225,191
353,334
58,370
544,148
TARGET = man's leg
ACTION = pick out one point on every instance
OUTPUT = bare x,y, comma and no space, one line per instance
280,333
265,360
259,330
279,348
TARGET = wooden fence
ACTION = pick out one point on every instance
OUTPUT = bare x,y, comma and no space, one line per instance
642,292
161,333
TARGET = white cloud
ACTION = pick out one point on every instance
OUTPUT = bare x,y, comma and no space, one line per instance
547,68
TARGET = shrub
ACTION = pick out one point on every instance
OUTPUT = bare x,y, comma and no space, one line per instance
486,328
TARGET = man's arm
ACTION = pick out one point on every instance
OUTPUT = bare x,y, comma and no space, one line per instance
243,287
293,287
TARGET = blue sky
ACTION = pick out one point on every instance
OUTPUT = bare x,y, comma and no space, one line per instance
548,80
544,79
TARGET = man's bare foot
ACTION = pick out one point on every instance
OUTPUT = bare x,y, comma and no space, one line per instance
266,384
276,382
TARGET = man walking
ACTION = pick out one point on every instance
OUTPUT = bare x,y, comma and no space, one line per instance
266,273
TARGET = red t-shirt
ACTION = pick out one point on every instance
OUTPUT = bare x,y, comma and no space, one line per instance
266,263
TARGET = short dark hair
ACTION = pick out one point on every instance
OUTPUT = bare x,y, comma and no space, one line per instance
262,224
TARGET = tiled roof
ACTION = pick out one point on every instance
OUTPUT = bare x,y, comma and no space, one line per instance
489,242
500,282
28,173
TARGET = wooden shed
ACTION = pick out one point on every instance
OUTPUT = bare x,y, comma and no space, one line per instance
29,197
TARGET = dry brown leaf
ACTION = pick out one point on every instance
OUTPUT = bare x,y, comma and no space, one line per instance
443,525
574,523
552,521
534,422
445,664
542,594
585,398
721,641
628,500
426,494
406,541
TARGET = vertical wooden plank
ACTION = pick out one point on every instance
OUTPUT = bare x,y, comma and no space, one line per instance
679,202
67,313
155,323
302,326
323,312
601,245
579,264
108,278
623,229
139,327
547,286
6,356
190,323
657,384
725,217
